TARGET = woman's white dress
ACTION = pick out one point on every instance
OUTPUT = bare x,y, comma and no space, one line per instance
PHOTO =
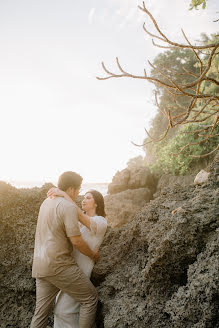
66,312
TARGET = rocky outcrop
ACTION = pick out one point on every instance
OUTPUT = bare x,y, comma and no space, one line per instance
18,216
158,271
194,305
119,182
132,178
161,269
170,181
130,189
122,207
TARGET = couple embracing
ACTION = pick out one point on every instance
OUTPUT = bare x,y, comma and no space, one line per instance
66,247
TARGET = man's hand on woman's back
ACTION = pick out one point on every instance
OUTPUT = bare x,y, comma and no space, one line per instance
82,246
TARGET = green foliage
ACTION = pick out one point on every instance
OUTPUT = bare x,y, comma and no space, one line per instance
172,63
196,3
171,161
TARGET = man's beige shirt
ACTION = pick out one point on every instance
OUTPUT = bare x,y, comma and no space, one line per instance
57,221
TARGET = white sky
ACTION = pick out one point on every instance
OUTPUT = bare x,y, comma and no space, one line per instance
54,114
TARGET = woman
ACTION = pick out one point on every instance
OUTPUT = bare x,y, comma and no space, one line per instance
93,226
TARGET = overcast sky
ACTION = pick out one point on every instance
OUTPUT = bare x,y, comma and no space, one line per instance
55,114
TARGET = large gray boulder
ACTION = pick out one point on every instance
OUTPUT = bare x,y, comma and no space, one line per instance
141,178
132,178
171,181
201,177
119,182
122,207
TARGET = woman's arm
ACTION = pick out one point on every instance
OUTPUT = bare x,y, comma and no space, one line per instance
82,217
56,192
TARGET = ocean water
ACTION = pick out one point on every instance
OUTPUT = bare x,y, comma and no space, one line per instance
101,187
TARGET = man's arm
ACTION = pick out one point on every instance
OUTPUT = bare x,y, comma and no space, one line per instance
83,247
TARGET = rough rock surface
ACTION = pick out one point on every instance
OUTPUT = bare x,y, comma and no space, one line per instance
134,178
167,180
18,215
160,270
119,182
121,208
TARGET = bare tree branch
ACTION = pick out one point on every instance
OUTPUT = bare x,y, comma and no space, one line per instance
197,143
193,91
162,37
205,155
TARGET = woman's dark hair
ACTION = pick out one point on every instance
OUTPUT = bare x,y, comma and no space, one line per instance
99,201
69,179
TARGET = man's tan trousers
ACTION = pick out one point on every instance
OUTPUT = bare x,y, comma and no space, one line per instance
73,282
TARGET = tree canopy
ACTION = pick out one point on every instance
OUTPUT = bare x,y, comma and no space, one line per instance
169,154
186,92
197,3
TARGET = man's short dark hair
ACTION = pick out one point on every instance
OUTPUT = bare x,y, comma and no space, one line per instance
69,179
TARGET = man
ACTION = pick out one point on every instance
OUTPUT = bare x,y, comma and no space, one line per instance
53,264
